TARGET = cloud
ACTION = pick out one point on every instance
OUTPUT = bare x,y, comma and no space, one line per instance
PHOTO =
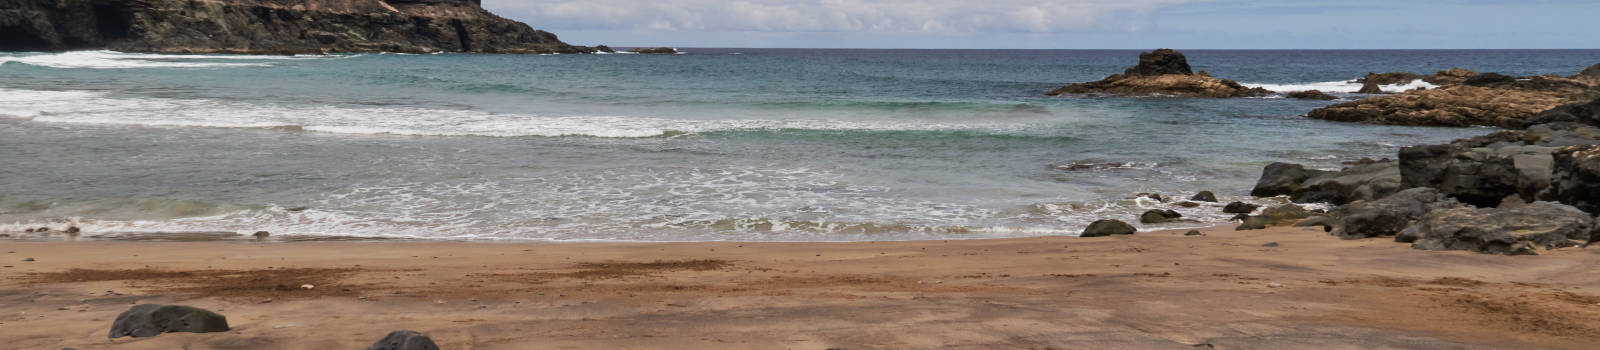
877,16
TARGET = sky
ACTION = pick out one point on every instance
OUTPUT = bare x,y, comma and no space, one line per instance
1067,24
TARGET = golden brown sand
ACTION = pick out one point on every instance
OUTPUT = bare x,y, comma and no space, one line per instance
1158,290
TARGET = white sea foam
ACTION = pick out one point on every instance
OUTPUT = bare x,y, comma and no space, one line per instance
1346,87
106,108
120,60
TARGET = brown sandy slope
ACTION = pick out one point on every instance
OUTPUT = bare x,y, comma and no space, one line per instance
1150,291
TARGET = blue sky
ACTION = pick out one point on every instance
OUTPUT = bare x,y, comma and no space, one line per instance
1072,24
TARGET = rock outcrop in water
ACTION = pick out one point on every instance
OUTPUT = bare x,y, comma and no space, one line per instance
1163,72
1465,98
268,27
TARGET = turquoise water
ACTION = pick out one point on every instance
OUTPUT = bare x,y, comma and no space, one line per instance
715,144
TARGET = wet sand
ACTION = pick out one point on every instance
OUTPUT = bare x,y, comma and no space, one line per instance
1157,290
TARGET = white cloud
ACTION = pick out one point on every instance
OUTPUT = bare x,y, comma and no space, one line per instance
884,16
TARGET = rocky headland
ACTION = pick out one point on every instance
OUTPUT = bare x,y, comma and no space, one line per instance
268,27
1163,72
1464,98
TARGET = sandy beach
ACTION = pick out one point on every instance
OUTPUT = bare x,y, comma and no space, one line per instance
1154,290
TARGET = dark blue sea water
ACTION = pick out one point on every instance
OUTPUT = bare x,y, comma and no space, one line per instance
715,144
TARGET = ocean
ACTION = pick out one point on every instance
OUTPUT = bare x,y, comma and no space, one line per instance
712,144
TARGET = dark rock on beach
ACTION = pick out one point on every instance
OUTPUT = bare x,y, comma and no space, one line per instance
1157,216
1510,231
1240,208
1312,95
149,320
1204,196
1359,182
1163,72
1575,179
1104,228
268,27
404,340
1282,179
1387,216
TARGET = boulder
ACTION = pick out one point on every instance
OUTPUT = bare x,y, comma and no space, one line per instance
1284,213
1327,222
1163,72
1157,216
404,340
1484,170
605,49
1193,233
149,320
1312,95
1204,196
1104,228
1509,231
1253,223
1282,179
1366,181
1387,216
1239,208
1575,179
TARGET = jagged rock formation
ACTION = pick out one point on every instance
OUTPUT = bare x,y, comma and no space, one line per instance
268,27
1465,99
1163,72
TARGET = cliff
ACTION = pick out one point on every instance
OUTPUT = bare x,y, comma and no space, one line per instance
268,27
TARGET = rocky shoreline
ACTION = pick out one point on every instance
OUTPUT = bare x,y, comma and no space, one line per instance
269,27
1534,186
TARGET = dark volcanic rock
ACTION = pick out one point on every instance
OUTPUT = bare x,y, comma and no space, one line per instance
1360,182
1312,95
1104,228
1387,216
150,320
1489,79
1392,78
605,49
1253,223
1284,213
267,27
1576,177
1157,216
404,340
1204,196
1370,87
1512,231
1240,208
1282,179
1587,113
1484,170
1163,72
1160,62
